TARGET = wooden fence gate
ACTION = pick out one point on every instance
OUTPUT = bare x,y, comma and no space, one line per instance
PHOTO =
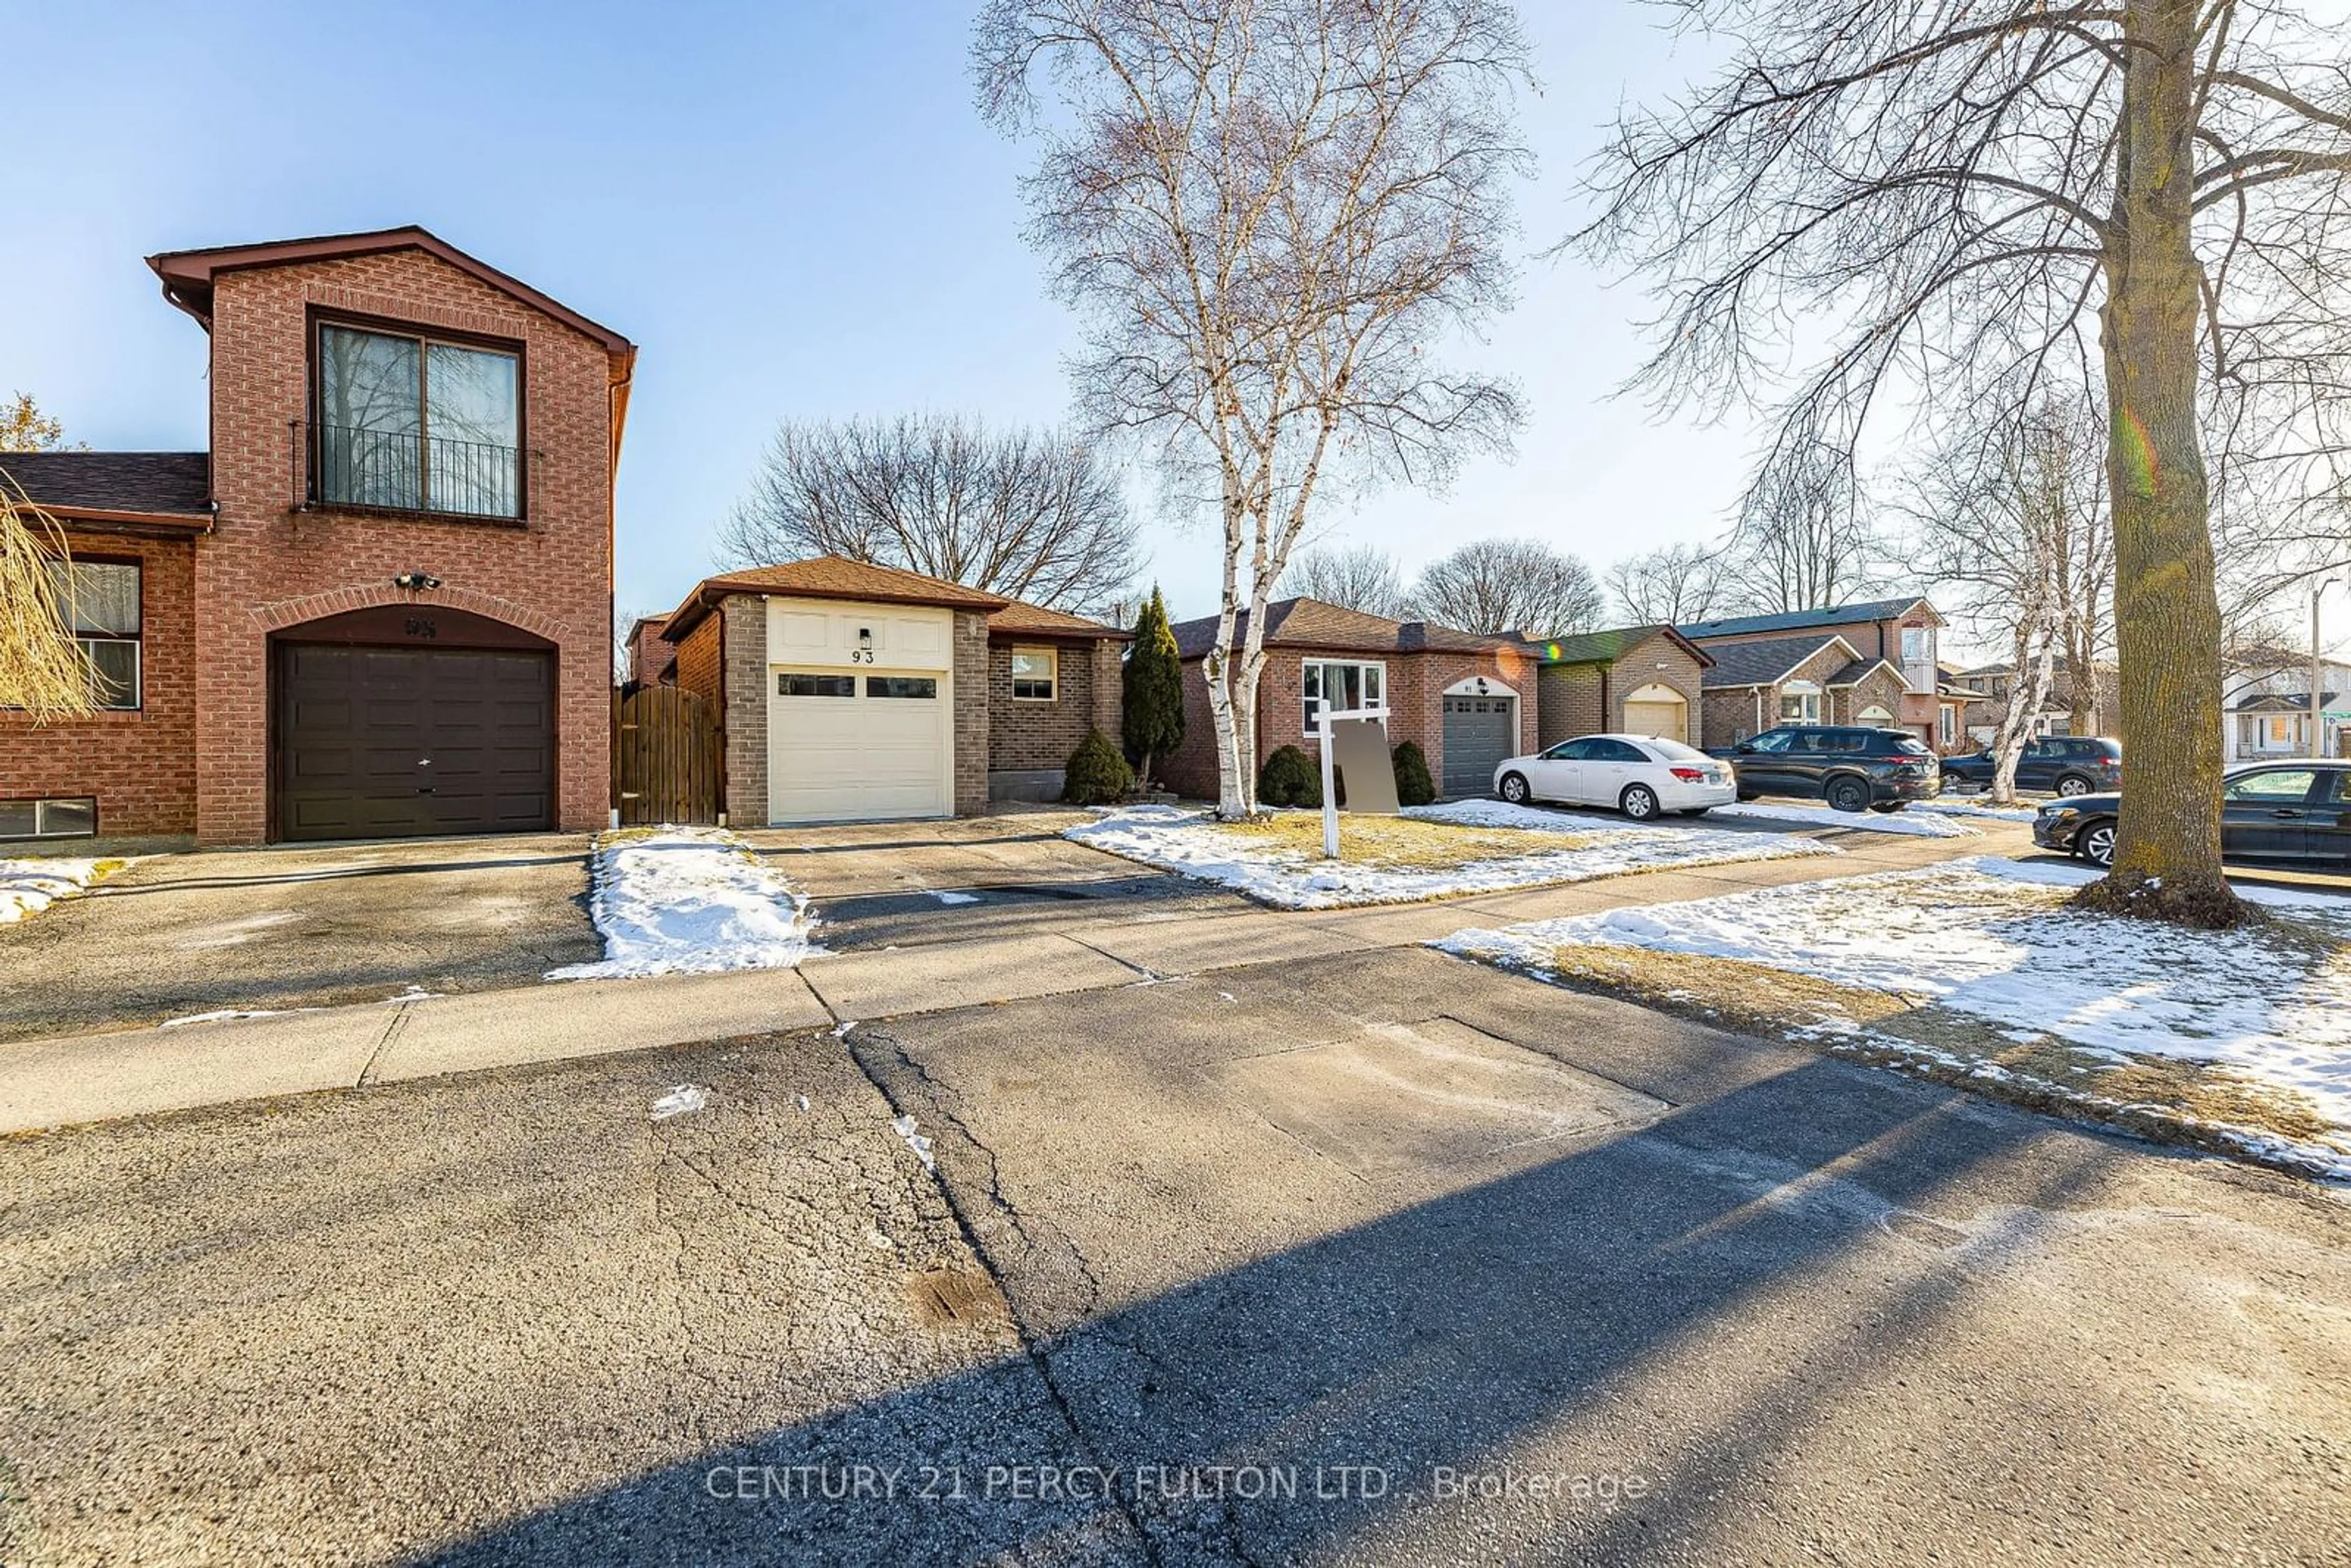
665,757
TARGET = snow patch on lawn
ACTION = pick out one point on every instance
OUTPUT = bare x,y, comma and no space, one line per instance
1964,936
29,886
1193,843
1933,827
1950,808
690,901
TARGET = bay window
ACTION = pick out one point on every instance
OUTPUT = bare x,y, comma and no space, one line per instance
413,423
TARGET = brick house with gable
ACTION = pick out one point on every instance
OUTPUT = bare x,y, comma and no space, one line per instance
380,604
1467,701
1904,632
846,691
1756,684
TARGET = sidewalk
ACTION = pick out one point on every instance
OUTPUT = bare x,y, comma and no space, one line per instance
136,1072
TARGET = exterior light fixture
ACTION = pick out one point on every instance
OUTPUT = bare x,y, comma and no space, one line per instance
415,581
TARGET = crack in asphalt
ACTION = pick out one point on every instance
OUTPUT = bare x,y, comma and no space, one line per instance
861,1042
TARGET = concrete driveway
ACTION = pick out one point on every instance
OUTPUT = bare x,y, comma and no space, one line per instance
285,927
1380,1258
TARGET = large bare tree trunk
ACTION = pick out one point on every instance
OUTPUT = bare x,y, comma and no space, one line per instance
2167,614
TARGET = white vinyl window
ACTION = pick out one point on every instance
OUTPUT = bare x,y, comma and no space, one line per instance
1800,703
1344,684
1034,675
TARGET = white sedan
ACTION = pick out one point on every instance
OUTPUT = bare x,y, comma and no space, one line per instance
1639,774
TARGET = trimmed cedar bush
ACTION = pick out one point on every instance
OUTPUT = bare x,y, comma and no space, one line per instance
1289,778
1096,775
1154,701
1413,786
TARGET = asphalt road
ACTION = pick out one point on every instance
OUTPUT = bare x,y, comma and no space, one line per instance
1371,1258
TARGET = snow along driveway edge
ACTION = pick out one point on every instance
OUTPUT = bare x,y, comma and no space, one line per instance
690,901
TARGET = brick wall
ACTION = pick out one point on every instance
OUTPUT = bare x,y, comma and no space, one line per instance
1190,769
141,764
742,619
269,566
649,653
1567,703
1880,688
971,712
1108,656
1023,735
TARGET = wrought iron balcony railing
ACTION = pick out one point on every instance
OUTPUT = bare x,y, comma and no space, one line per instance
401,471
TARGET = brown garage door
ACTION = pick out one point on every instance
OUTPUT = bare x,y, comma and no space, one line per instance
377,743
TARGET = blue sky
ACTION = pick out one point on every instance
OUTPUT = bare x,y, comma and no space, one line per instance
792,208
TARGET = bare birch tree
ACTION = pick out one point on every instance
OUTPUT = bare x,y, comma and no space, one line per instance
1036,514
1269,215
1359,577
1934,207
2011,526
1676,585
1495,586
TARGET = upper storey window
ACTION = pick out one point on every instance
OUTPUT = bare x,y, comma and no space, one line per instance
414,424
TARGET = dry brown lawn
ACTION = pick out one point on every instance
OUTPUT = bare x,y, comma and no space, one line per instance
1399,843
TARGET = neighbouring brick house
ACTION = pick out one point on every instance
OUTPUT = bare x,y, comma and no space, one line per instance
380,605
1756,684
1467,701
1904,632
846,690
1631,680
651,658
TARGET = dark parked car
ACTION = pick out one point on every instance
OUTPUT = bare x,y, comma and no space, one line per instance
2059,764
1851,766
2284,811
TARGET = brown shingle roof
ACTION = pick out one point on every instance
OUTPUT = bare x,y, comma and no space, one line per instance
170,486
1022,619
828,576
1312,623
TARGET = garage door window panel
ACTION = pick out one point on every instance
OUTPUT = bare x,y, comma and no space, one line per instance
921,688
816,685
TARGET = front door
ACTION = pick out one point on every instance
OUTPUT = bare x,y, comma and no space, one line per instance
2265,815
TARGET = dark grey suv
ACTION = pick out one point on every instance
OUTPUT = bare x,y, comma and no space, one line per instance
1851,766
2061,764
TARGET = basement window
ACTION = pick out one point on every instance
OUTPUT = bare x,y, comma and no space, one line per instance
70,818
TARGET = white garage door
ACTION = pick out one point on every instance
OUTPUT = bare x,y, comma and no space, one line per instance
842,747
1656,710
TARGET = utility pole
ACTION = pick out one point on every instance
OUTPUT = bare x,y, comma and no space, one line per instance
2317,747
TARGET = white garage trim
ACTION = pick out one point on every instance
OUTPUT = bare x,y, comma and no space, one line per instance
1480,687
